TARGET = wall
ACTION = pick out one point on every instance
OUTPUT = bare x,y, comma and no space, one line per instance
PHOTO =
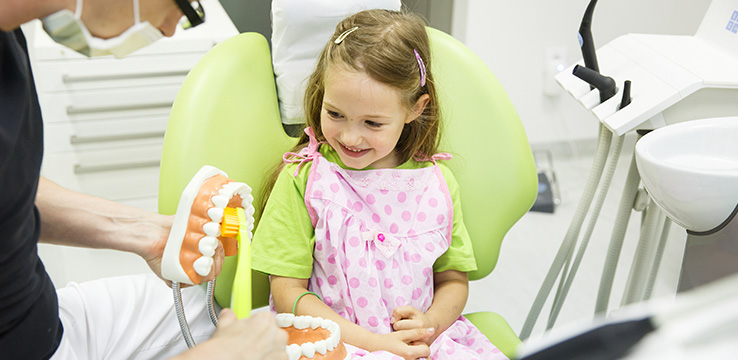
513,38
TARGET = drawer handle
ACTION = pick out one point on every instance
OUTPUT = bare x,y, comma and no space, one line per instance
76,140
70,79
71,110
83,169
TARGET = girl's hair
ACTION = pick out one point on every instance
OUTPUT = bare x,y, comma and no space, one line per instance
382,46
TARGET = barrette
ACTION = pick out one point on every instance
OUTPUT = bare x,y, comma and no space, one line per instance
421,65
343,35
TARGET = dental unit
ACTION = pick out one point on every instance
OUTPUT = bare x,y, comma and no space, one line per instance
677,79
213,209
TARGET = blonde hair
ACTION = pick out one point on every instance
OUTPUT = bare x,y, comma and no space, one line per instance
383,47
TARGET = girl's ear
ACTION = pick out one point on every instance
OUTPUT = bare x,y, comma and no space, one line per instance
418,108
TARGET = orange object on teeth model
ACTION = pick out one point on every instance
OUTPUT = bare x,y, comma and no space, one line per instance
206,215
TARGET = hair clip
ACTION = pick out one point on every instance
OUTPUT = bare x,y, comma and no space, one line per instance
343,35
421,65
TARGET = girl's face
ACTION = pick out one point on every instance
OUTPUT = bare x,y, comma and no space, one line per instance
362,119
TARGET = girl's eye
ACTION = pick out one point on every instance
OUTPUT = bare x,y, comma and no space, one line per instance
373,124
334,114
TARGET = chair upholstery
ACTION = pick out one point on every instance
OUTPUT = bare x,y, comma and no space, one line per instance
226,115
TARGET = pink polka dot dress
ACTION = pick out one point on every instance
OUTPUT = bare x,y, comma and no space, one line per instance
377,236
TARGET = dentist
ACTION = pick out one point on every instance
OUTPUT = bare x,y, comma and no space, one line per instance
128,317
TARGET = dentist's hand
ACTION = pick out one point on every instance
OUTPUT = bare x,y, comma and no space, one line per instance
158,235
254,338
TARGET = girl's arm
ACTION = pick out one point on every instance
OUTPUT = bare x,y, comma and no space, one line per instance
450,295
285,290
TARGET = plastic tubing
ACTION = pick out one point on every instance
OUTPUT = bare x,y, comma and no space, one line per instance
657,258
565,250
612,164
586,42
636,284
630,190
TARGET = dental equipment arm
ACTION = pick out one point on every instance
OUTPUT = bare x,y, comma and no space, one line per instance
586,43
605,84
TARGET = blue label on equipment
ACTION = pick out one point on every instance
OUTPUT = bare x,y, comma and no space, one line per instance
733,23
581,41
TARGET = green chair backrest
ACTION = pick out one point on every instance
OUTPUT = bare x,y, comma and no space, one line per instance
226,115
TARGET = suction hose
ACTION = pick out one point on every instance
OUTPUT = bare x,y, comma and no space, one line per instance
612,164
566,249
630,190
635,285
586,42
179,309
657,259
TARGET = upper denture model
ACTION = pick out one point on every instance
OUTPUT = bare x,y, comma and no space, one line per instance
205,215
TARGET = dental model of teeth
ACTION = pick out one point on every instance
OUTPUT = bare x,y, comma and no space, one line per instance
312,338
206,214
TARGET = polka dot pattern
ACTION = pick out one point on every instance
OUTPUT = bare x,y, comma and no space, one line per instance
356,278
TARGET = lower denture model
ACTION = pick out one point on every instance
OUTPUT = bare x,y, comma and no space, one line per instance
207,214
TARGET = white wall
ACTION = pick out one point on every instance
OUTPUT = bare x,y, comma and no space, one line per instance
513,37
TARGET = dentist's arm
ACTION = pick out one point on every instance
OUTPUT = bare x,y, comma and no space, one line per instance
76,219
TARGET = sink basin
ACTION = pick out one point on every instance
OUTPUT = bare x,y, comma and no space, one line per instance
690,169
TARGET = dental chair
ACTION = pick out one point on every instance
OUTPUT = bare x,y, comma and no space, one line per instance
226,115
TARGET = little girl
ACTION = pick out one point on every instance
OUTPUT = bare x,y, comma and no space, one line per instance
363,226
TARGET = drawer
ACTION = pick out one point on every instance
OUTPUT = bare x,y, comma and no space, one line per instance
115,174
103,73
101,134
108,103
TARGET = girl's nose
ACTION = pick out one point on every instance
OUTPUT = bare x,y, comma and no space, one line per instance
350,137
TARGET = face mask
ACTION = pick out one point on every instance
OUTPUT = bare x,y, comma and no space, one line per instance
67,29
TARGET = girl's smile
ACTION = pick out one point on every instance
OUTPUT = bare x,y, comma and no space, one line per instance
362,119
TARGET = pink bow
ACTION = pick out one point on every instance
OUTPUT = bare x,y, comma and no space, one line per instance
306,154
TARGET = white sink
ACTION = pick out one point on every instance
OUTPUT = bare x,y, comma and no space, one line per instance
690,169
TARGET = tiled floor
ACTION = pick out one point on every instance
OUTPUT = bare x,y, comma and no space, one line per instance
529,249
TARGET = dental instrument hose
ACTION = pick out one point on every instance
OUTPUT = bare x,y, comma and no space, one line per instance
586,42
179,309
566,250
630,190
612,164
635,286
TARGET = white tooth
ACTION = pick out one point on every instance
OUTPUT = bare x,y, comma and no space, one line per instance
203,265
331,343
211,229
308,349
250,226
220,201
321,347
207,245
246,201
226,191
315,322
293,351
243,191
301,322
215,214
284,320
249,211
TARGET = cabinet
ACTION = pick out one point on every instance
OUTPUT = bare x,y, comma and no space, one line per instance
104,123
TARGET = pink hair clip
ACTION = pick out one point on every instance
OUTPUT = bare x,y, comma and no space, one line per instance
421,65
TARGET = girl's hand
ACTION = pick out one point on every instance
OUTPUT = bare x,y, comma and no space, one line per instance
408,344
410,318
